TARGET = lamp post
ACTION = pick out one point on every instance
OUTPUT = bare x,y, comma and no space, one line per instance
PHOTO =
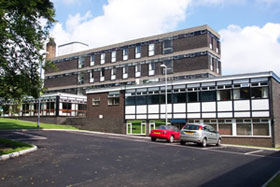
165,72
39,99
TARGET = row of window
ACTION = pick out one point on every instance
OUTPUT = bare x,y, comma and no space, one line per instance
199,96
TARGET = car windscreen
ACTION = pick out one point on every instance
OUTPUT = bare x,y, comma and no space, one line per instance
191,127
162,127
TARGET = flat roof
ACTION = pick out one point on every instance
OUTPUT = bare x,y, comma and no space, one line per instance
190,81
130,42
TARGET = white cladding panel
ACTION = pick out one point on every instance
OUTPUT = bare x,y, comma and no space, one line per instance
129,116
208,115
242,114
179,116
141,116
194,115
153,109
141,109
209,107
260,104
179,107
71,48
260,114
153,116
193,107
162,116
242,105
169,108
225,106
130,110
225,115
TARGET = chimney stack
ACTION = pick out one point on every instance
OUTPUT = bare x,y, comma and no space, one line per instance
51,49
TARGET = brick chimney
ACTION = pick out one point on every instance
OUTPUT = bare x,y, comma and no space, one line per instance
51,48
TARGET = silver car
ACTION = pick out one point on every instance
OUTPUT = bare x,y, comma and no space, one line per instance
200,133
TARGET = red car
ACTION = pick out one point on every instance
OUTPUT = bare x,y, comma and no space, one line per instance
168,132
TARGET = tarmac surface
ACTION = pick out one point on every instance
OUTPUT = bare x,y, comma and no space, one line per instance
90,159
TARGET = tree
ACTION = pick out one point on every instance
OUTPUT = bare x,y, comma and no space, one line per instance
24,29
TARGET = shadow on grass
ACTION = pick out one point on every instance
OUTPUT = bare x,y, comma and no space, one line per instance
14,125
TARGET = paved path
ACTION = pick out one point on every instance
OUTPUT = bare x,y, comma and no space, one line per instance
85,159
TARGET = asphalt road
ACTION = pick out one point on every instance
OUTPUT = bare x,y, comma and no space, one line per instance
83,159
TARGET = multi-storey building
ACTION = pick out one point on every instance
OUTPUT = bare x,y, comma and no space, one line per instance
188,53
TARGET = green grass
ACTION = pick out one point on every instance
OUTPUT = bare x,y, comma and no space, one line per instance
6,124
9,146
275,182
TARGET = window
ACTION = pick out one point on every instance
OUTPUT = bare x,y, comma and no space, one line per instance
242,93
260,128
151,49
137,51
92,60
211,64
91,76
218,47
113,101
130,100
141,100
102,75
211,42
125,72
137,70
152,99
151,68
96,101
81,62
225,128
167,46
113,57
162,99
125,54
102,60
179,98
50,107
259,92
81,78
25,108
113,73
207,96
15,109
224,95
169,65
243,128
217,67
193,97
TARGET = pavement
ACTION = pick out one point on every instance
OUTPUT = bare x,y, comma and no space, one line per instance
76,158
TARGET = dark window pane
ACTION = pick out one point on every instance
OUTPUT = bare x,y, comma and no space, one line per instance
130,100
224,95
208,96
225,129
162,99
261,129
153,99
259,92
140,100
179,98
193,97
243,129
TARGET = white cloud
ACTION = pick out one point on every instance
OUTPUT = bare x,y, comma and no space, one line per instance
122,20
251,49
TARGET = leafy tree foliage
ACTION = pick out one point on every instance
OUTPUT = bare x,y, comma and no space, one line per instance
24,26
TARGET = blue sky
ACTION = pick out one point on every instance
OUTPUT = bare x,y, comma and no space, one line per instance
249,29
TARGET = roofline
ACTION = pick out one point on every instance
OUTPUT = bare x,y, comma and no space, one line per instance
191,81
72,43
130,42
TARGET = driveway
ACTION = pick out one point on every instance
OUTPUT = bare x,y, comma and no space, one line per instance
85,159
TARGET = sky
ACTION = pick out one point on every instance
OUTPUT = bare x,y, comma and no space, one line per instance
249,29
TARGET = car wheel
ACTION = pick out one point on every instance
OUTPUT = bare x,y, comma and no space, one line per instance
182,142
171,139
204,142
153,139
219,142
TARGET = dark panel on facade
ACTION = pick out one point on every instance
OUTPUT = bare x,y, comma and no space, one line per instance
188,43
158,48
61,81
66,65
144,50
190,64
131,53
144,70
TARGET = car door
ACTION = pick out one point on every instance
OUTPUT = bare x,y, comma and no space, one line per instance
212,134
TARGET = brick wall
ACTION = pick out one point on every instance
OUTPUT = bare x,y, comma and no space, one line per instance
263,142
276,111
61,81
190,64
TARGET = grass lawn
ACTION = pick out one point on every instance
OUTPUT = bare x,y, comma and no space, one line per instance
275,182
18,124
9,146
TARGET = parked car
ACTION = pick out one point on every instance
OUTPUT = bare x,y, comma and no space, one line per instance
200,133
168,132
